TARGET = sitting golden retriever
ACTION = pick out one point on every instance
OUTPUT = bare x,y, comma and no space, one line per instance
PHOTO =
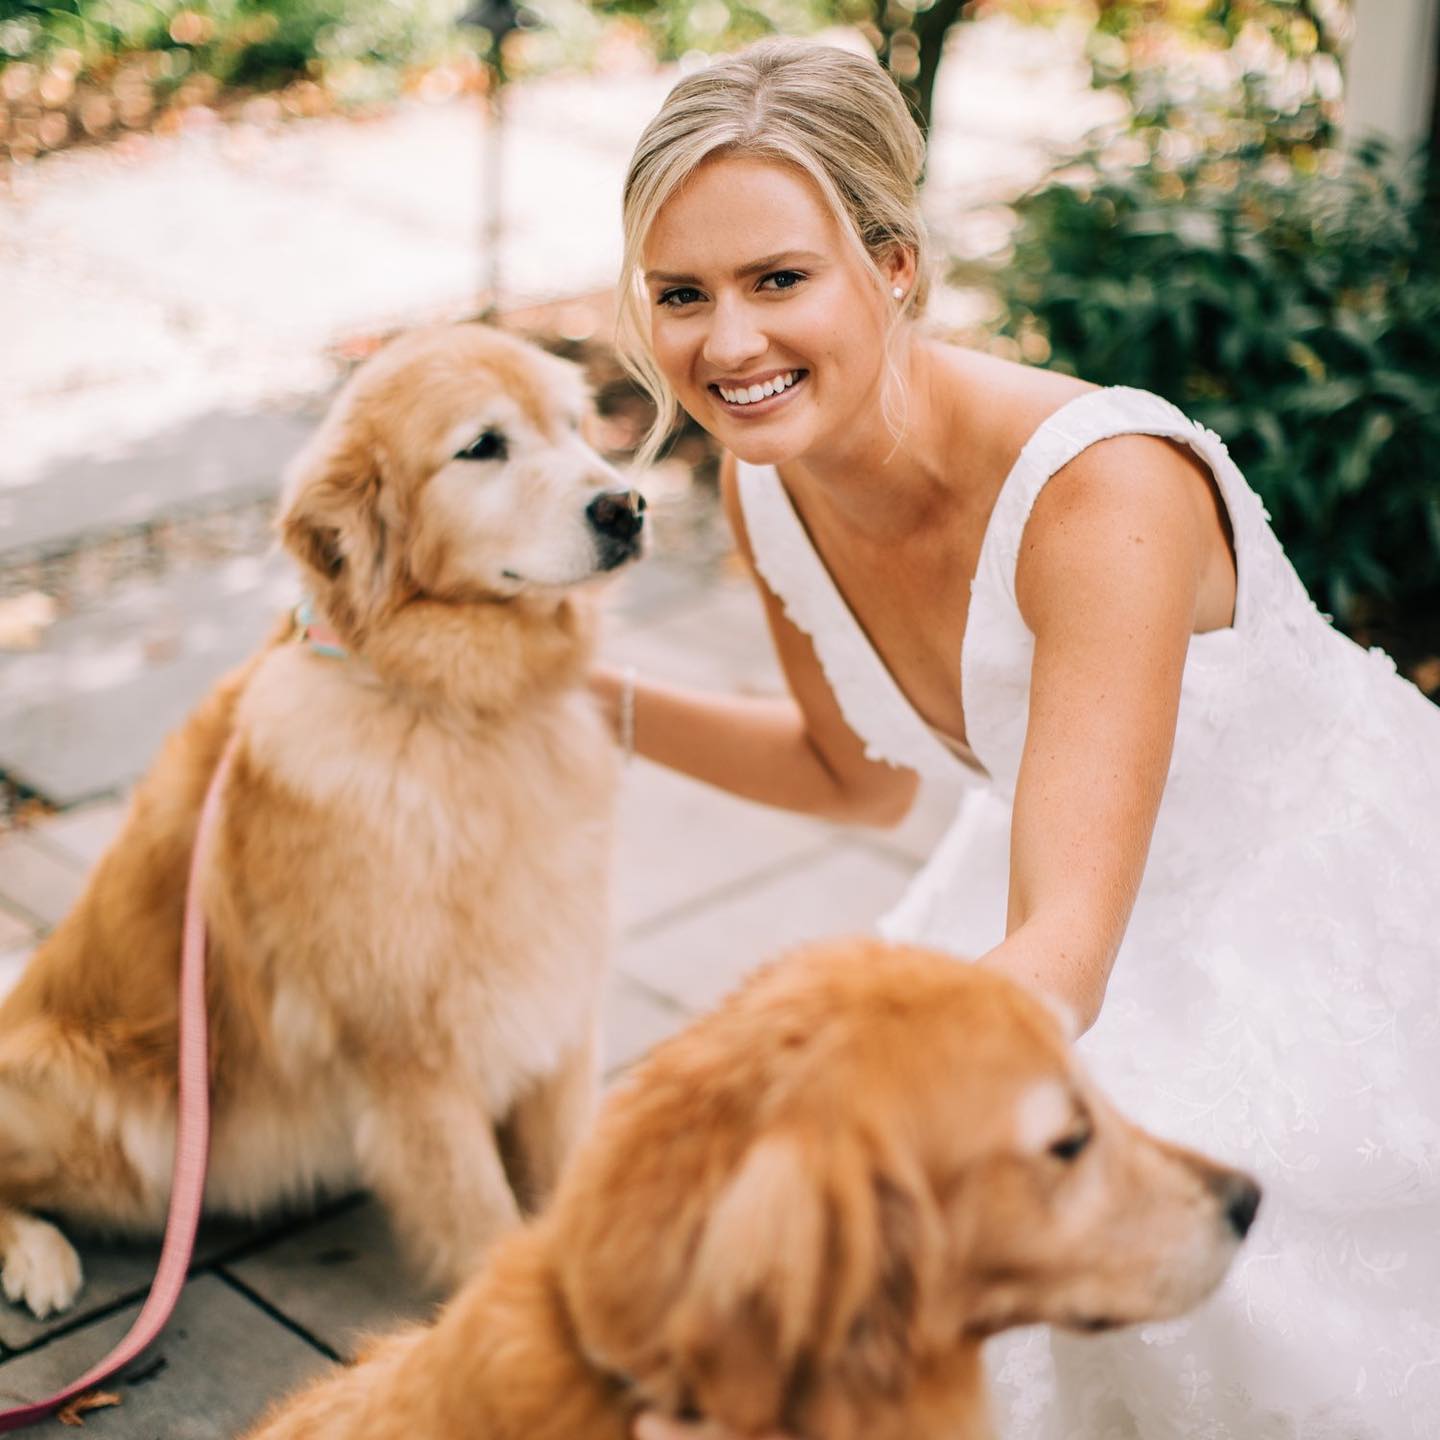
805,1213
407,906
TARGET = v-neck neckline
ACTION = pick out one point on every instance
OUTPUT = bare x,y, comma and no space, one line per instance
956,751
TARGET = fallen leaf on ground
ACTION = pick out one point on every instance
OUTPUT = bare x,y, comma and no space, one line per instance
74,1412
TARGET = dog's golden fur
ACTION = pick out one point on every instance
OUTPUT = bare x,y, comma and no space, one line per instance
806,1213
407,906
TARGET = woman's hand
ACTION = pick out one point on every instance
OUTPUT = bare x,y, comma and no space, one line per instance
754,746
796,751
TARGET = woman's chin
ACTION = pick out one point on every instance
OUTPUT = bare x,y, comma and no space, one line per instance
766,439
762,445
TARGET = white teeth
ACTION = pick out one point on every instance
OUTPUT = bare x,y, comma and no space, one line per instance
753,393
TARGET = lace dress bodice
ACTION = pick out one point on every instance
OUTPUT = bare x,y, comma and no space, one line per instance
1276,1000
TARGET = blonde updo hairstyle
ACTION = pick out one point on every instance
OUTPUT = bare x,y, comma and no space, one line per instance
833,115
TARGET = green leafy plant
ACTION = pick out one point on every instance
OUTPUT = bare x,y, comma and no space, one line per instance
1297,314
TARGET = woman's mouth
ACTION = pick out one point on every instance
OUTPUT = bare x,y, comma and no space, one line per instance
761,399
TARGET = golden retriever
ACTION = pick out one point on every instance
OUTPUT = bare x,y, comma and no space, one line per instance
407,906
806,1213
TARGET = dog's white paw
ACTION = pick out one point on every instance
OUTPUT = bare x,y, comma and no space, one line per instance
41,1268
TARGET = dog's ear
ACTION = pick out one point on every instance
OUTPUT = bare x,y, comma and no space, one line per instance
804,1290
751,1295
877,1352
332,520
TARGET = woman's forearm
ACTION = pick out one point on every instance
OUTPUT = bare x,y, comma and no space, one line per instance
1068,964
754,747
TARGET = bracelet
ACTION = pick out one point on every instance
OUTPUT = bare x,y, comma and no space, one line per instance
627,712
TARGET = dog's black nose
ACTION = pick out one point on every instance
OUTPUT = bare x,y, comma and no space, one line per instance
618,514
1240,1196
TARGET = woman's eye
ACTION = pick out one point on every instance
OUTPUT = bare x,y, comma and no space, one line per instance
681,295
490,446
782,280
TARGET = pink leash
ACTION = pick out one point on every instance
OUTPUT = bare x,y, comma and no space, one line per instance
192,1135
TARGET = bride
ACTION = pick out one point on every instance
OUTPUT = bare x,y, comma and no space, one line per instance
1197,816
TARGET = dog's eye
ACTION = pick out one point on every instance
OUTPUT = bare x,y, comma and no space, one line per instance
1068,1147
490,446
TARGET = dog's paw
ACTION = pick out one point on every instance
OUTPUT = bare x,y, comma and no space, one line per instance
40,1266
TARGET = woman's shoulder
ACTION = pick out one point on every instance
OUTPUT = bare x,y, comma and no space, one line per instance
1018,381
1003,405
996,405
1083,504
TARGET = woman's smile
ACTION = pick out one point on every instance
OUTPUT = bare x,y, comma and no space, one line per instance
754,398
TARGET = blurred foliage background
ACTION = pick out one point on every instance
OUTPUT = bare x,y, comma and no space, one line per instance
1181,63
1220,248
95,69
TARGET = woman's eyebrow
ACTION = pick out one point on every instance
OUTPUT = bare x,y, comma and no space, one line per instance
753,267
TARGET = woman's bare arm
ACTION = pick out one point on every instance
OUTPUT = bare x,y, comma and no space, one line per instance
1109,581
794,751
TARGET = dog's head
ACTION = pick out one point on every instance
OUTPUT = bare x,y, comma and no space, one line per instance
453,465
868,1160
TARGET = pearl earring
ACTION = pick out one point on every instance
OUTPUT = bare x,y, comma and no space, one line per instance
898,293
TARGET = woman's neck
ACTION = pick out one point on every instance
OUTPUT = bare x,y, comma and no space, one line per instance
883,487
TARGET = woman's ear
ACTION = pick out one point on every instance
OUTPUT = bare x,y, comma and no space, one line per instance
899,268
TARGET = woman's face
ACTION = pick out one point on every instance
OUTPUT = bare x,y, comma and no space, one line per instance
764,320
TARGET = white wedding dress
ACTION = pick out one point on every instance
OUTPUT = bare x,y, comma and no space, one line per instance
1276,1002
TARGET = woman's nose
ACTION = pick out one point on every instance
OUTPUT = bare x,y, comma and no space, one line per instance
734,339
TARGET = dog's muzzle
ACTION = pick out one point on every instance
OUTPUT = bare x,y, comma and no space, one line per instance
618,517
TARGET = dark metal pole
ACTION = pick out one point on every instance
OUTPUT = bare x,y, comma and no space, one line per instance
498,18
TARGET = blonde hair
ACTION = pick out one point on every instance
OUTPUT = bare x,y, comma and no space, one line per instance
835,116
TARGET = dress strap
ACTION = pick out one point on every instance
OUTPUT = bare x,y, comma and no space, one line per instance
874,706
1074,427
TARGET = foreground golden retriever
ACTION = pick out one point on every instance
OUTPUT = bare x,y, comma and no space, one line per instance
805,1213
407,907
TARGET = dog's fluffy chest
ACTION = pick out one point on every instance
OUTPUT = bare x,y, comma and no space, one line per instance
426,883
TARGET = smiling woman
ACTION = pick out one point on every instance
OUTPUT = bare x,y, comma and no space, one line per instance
1198,819
839,155
767,354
